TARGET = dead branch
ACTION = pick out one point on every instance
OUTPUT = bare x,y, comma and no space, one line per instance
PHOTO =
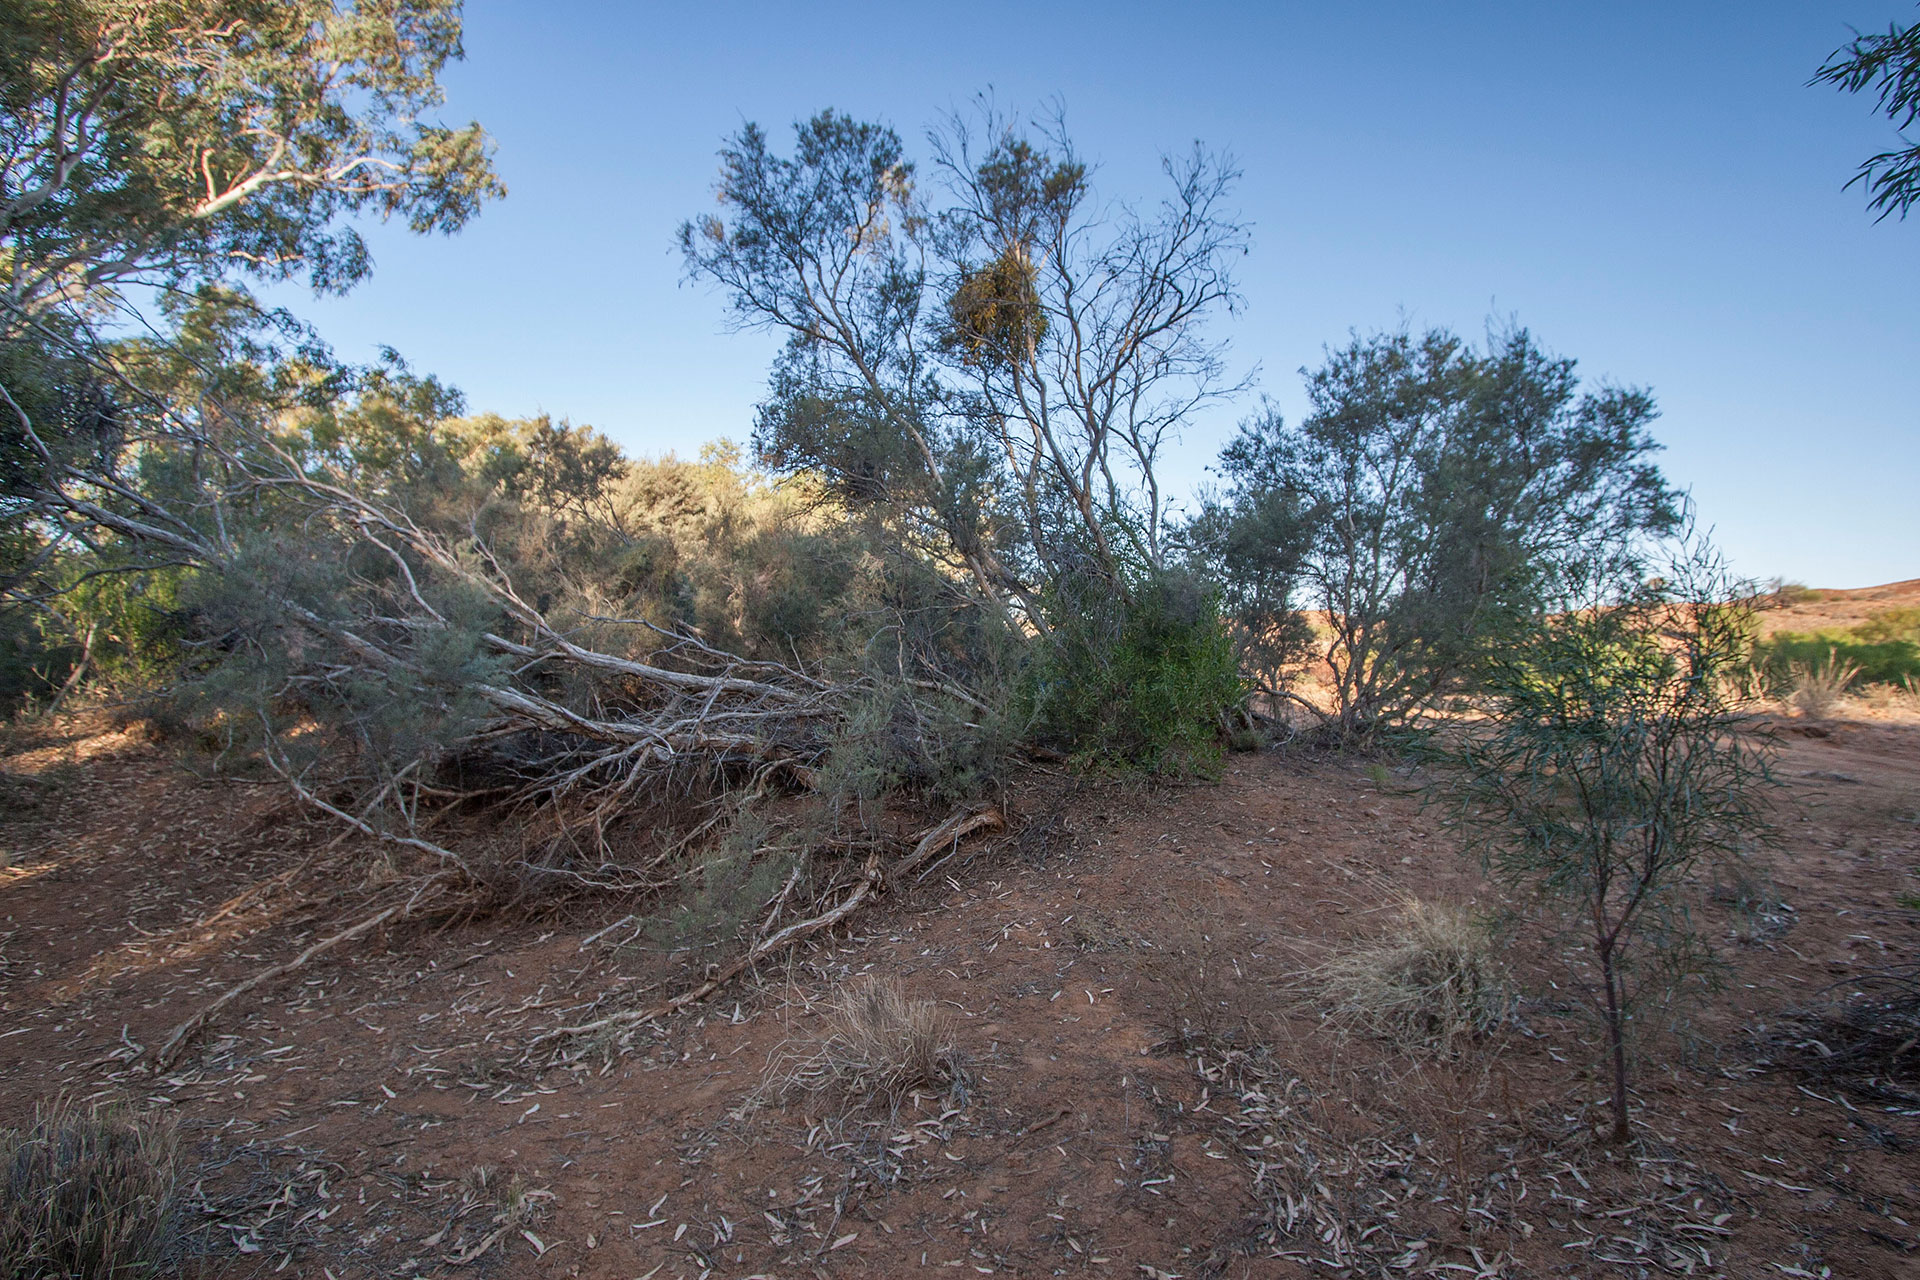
872,879
164,1056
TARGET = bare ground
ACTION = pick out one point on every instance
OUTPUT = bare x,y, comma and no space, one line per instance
1148,1088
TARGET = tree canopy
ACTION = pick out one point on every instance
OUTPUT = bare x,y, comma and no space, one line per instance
995,359
183,142
1433,495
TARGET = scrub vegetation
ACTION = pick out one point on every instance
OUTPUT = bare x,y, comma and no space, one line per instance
732,701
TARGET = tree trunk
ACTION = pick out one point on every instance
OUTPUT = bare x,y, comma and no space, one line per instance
1616,1046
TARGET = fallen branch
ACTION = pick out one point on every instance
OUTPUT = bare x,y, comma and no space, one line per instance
177,1040
872,879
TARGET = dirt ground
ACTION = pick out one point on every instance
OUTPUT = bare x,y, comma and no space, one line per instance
1148,1086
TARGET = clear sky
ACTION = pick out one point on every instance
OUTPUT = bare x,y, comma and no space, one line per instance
1650,187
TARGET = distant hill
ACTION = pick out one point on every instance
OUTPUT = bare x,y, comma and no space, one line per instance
1832,608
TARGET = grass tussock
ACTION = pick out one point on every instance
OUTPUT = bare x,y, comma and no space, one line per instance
88,1192
879,1045
1430,982
1817,689
1902,698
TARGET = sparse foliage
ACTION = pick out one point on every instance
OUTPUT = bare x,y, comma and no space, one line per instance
998,378
1614,764
1889,65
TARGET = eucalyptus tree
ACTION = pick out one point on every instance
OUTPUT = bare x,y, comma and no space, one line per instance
1433,496
184,142
996,363
156,149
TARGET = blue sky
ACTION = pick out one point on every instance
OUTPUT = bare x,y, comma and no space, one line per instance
1650,188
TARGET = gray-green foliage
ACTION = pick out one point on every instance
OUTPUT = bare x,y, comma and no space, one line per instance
726,889
1614,766
1433,496
189,146
181,143
991,371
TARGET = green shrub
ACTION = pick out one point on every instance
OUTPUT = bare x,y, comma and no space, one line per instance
1614,765
1791,593
1877,662
723,892
1142,680
1890,625
86,1193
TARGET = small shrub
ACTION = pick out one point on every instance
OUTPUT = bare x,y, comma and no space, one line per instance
723,892
880,1043
1902,697
1143,680
1430,983
1785,594
1818,690
1613,769
899,736
1891,626
88,1193
1205,996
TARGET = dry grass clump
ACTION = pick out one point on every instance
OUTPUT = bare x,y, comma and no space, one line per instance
879,1044
1429,982
1902,698
1817,692
86,1192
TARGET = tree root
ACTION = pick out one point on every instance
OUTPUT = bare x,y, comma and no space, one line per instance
873,879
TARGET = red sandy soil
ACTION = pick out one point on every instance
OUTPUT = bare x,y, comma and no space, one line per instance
1832,610
1148,1085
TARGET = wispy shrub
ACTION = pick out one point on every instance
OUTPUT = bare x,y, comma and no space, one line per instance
723,891
1614,766
1902,697
936,709
88,1194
